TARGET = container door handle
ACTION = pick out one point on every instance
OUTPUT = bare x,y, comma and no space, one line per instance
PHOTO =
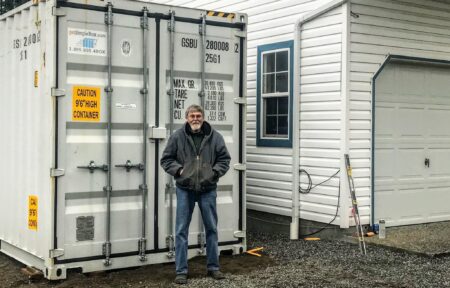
128,166
427,162
92,166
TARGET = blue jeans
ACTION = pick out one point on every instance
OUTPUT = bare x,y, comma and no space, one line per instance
185,206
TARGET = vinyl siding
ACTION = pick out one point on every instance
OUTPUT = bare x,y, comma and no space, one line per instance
321,114
408,27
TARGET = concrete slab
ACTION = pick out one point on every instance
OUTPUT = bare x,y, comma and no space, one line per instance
431,239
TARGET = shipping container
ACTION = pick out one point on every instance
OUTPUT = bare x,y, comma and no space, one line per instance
90,93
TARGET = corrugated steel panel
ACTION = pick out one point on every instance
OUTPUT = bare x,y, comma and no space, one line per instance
26,116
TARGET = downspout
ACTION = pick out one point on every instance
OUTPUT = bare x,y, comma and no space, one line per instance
344,203
295,228
295,225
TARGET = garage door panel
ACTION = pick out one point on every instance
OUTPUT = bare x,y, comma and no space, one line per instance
385,123
386,200
410,122
439,117
439,163
386,80
409,163
411,80
442,194
407,203
386,172
439,80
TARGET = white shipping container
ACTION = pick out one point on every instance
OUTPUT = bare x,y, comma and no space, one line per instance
90,94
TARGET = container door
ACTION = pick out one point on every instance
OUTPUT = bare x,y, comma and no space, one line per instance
83,220
222,60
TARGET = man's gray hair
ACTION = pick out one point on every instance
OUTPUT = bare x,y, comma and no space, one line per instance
194,108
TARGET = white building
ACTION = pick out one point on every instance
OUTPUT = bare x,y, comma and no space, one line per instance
368,78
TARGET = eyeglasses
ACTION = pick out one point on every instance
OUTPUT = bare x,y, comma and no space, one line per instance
195,116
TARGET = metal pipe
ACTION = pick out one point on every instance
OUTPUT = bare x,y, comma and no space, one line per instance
172,55
144,91
170,188
202,31
109,90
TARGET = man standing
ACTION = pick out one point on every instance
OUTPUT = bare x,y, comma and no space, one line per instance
197,157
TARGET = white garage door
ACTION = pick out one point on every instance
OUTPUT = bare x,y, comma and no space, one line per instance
412,144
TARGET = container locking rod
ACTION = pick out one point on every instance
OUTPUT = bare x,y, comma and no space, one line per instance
109,92
128,166
92,166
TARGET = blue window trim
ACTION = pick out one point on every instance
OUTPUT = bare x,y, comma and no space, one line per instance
284,142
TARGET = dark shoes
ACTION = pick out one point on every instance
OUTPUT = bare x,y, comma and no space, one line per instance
216,274
181,279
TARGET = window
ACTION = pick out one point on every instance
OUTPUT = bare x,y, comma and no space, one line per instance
274,95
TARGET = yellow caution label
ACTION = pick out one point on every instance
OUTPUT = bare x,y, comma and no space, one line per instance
86,104
33,212
230,16
36,79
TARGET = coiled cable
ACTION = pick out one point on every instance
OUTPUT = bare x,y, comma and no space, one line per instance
310,184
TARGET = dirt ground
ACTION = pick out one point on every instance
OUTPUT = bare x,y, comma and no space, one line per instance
160,275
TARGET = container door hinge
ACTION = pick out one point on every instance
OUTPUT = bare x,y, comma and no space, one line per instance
240,100
239,234
240,167
241,34
58,11
55,253
58,92
56,172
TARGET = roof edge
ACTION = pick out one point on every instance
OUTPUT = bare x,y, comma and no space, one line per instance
319,11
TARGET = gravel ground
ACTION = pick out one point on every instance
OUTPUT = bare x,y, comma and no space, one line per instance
432,239
337,264
284,264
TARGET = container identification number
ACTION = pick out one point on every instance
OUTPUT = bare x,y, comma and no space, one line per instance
217,45
25,42
212,56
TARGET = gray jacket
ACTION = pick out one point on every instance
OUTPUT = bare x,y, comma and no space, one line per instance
200,171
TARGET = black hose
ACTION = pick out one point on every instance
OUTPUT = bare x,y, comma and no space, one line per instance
310,184
308,189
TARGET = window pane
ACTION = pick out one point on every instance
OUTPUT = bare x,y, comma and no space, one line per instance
271,105
282,82
283,105
282,61
269,83
271,125
269,62
282,125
